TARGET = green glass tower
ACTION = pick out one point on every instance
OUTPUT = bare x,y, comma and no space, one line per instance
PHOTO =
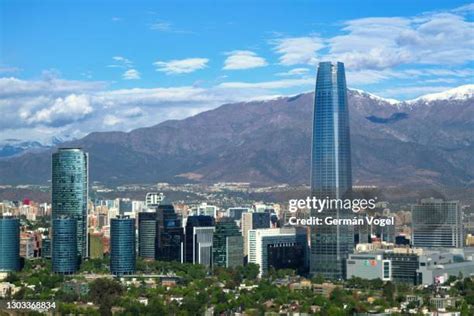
70,191
228,244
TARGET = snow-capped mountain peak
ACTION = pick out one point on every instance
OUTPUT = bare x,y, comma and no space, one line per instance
458,93
14,147
375,97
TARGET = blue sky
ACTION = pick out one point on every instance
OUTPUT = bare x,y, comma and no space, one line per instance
71,67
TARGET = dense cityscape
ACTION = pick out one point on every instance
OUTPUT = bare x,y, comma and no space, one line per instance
220,252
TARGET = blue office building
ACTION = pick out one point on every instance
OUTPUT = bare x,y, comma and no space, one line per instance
70,191
9,244
65,258
122,245
331,174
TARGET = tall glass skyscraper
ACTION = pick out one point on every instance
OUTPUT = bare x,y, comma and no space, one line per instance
9,244
169,233
146,234
70,191
122,245
64,248
228,244
331,174
198,238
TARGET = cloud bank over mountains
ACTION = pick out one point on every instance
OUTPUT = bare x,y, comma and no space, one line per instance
425,53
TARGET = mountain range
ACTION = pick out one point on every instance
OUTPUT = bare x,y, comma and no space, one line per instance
14,147
425,141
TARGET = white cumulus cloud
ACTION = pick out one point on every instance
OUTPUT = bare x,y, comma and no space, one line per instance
61,111
243,59
381,43
111,120
298,50
131,74
181,66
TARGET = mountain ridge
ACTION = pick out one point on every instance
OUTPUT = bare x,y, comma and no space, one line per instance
266,142
457,93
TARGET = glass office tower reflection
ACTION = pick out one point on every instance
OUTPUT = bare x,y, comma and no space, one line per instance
70,191
331,174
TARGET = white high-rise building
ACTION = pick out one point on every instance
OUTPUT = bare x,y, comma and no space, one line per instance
253,221
153,199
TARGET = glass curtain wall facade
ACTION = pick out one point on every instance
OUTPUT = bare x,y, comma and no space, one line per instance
70,191
437,223
65,259
146,234
331,174
203,245
228,248
190,242
122,245
46,248
169,233
9,244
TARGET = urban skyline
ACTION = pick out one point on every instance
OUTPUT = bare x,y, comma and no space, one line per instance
261,115
162,237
